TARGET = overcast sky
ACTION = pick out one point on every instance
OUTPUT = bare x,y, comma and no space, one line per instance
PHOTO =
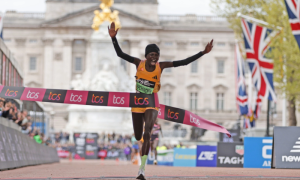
200,7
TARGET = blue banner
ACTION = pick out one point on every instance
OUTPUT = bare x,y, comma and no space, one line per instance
164,157
258,152
206,156
185,157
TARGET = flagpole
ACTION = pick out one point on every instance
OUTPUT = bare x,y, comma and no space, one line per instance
268,119
256,20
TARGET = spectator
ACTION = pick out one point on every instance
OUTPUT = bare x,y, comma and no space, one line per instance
5,111
28,128
38,138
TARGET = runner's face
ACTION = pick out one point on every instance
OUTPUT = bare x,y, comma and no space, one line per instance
152,58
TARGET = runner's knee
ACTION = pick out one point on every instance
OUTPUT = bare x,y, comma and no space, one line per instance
138,137
146,136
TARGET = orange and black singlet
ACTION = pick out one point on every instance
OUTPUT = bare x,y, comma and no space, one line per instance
147,83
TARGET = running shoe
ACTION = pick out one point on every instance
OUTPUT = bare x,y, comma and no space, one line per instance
155,162
141,174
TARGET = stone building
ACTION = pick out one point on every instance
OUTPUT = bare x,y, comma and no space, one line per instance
53,47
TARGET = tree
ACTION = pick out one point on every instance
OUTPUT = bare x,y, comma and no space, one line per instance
285,51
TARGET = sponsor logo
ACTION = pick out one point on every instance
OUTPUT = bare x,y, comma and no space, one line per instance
54,96
118,100
146,82
185,156
141,101
231,160
290,158
75,98
295,149
97,99
265,148
32,95
172,114
207,155
11,93
264,151
155,77
194,120
239,149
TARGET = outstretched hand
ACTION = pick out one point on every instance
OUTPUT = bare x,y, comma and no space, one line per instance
112,30
208,47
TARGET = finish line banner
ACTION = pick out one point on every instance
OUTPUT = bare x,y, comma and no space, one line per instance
116,99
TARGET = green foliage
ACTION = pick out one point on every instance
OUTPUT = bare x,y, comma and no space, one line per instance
285,52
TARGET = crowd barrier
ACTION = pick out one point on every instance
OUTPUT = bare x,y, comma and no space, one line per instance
10,124
18,150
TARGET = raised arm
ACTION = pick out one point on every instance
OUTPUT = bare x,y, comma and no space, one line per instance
112,32
188,60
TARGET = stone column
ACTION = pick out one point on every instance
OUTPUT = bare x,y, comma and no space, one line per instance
48,63
67,63
21,56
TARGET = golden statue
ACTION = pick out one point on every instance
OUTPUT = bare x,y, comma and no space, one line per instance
106,15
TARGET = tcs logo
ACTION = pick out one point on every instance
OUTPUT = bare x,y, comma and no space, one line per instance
11,93
141,101
97,99
54,96
172,115
32,95
75,98
194,120
118,100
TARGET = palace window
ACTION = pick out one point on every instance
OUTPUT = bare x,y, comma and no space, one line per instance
220,101
194,43
78,64
220,66
32,63
167,98
193,101
194,67
221,44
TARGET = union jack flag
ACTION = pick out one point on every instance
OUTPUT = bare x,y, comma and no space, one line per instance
242,98
257,40
293,9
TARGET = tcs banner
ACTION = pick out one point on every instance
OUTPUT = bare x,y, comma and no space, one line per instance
258,152
184,157
206,156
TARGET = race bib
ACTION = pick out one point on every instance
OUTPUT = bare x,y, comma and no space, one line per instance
145,86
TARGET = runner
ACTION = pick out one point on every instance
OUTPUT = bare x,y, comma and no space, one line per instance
148,82
155,139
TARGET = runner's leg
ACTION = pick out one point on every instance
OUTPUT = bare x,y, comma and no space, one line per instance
150,118
138,123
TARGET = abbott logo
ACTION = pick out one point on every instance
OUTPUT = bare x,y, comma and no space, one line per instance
75,98
207,155
194,120
295,149
32,95
265,155
265,148
118,100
